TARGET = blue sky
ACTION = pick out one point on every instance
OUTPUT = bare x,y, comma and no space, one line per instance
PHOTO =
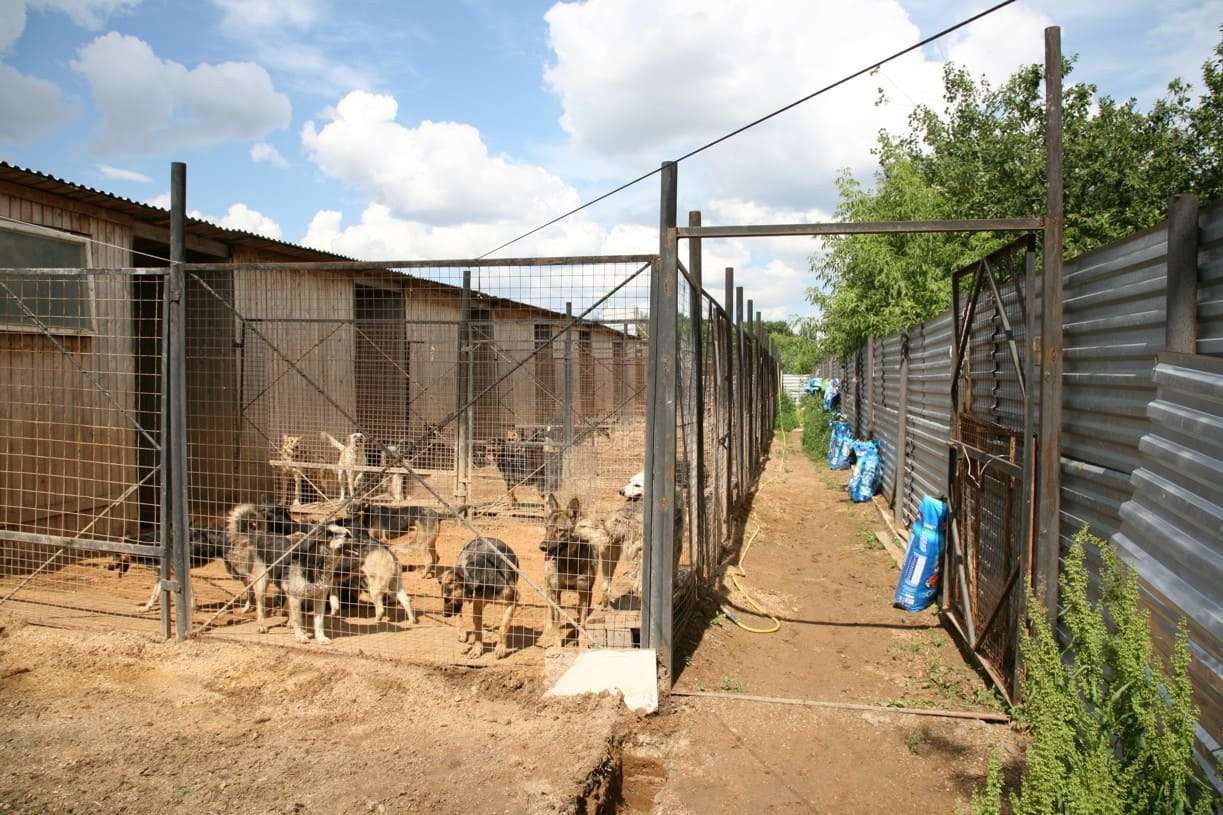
429,129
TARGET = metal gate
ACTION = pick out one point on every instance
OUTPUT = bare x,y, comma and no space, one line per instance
992,457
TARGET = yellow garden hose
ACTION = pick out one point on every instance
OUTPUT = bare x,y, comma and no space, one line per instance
738,571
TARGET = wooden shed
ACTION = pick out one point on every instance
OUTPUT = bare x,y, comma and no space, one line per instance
270,353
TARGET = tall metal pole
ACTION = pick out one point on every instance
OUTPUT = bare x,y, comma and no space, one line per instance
732,392
174,444
659,546
696,463
464,389
745,465
567,379
1049,545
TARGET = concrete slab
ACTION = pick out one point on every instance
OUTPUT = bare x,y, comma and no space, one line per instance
630,672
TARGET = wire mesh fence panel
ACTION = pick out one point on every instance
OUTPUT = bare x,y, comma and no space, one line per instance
387,452
80,442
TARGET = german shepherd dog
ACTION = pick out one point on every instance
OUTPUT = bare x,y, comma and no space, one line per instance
386,524
371,566
258,536
309,579
485,571
569,563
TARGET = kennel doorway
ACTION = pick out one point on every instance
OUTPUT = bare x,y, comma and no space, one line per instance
381,365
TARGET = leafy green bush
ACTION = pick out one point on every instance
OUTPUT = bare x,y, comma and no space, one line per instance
787,414
1112,731
817,428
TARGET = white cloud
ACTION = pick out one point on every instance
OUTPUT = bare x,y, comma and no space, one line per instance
147,103
240,216
435,172
29,106
119,174
241,15
91,14
638,82
262,151
12,23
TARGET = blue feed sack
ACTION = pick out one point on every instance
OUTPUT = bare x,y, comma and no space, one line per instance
814,384
832,395
923,568
841,446
865,481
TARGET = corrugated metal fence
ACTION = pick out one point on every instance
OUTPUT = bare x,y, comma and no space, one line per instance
1115,430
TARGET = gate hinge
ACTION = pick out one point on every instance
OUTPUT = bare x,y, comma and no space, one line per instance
169,585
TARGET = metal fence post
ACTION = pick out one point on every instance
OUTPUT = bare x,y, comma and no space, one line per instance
1182,324
899,487
762,410
753,407
696,482
745,465
732,392
174,443
567,380
1049,546
464,383
658,589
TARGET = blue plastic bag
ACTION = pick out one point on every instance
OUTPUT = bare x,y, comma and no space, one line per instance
865,481
814,384
923,569
841,445
832,395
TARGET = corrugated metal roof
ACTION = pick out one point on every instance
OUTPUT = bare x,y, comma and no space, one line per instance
156,216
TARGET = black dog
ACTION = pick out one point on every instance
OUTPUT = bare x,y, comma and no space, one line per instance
486,571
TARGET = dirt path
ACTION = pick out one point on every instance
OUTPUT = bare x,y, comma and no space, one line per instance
94,721
815,563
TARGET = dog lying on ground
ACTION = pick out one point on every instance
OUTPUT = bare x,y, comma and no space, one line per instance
569,564
371,566
485,571
351,456
385,524
262,542
309,579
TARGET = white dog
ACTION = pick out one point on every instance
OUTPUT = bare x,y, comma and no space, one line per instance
350,458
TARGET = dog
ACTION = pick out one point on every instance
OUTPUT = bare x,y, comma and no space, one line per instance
390,456
569,564
262,541
206,545
351,457
385,524
309,580
621,530
485,571
519,462
371,566
286,453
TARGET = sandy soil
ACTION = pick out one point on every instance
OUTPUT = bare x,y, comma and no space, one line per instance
815,563
113,722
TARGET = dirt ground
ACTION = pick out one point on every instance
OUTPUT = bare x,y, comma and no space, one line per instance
114,722
814,562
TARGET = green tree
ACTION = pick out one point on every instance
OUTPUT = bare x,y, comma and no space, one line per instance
982,156
796,344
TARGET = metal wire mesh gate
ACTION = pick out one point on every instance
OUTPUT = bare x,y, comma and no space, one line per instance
992,457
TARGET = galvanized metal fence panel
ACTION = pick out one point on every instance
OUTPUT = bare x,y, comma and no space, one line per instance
1210,282
929,413
887,410
1170,528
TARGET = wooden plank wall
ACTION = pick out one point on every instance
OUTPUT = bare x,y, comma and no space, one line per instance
65,451
306,317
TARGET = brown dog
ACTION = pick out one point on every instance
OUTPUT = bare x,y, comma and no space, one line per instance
569,564
486,570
